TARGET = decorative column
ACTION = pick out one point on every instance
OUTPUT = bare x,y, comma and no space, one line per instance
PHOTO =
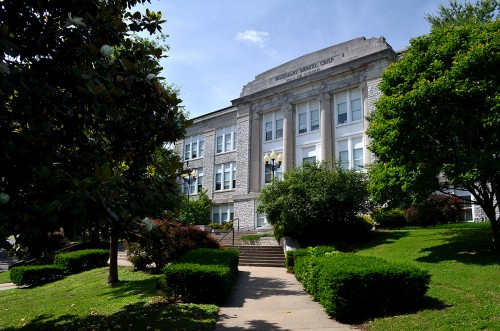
288,137
326,128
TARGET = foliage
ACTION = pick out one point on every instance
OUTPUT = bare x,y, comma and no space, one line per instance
388,218
462,13
228,225
199,209
318,251
227,257
84,118
313,203
36,275
439,117
199,283
436,209
81,302
353,288
165,242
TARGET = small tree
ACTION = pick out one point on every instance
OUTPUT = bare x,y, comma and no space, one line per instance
314,204
199,209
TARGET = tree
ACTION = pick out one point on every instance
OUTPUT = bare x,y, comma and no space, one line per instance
459,13
314,204
82,116
199,209
436,125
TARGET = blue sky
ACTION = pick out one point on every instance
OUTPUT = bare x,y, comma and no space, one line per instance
217,46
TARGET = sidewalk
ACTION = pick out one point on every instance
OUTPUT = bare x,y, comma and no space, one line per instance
266,298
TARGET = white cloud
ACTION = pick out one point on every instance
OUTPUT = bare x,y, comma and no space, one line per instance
255,37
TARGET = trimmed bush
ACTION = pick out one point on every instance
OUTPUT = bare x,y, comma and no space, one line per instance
197,283
74,262
188,239
388,218
207,256
35,275
318,251
352,288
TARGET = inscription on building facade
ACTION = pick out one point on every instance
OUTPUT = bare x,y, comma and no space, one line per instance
304,71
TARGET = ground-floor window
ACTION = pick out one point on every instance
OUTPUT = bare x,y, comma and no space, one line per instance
467,205
222,214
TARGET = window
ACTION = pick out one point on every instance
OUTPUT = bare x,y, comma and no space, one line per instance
196,185
273,125
348,106
194,147
225,176
225,139
307,117
222,213
467,205
309,155
351,153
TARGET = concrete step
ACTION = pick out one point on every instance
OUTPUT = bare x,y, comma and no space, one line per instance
262,256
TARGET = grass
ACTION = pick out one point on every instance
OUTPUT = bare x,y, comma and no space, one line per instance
464,293
86,302
5,277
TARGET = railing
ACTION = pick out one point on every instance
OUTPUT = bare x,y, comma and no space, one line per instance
228,232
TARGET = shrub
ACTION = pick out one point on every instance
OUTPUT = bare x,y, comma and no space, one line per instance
436,209
216,226
138,255
228,225
196,283
388,218
225,257
74,262
318,251
185,239
35,275
352,288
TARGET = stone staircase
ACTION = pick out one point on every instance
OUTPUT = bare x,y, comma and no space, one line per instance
267,253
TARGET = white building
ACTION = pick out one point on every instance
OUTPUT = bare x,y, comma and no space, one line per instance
312,108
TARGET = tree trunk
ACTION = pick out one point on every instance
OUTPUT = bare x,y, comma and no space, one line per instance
113,259
495,228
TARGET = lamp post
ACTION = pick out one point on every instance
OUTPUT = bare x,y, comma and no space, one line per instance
189,178
272,162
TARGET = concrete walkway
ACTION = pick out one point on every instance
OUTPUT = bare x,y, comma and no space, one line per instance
265,298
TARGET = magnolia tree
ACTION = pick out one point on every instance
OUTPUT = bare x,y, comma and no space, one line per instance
83,119
437,124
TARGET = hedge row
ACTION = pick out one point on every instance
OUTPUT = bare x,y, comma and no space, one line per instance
78,261
36,274
203,275
64,263
352,288
318,251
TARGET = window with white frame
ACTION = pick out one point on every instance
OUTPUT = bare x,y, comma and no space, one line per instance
226,139
351,153
194,147
466,198
196,185
273,125
309,155
307,117
348,106
225,176
222,213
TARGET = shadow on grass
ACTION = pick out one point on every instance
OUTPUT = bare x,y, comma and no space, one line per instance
138,288
373,239
138,316
471,246
426,303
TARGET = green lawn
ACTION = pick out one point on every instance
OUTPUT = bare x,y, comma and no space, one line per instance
464,293
5,277
86,302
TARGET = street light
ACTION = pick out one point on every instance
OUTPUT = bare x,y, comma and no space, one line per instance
272,162
189,178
